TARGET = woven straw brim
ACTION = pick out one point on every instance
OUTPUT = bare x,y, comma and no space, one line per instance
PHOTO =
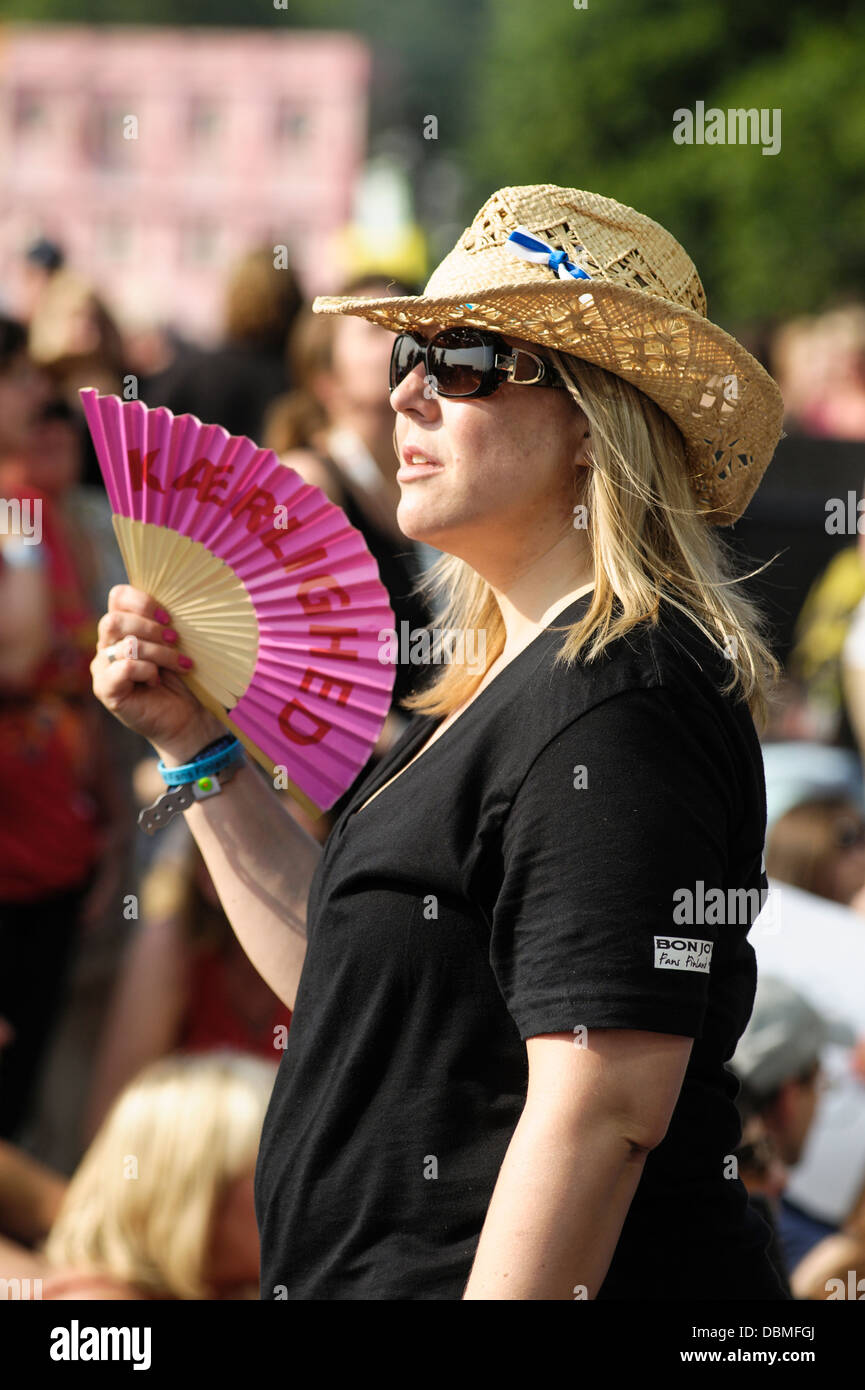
725,404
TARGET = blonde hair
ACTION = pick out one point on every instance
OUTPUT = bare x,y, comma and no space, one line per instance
140,1205
647,541
294,420
261,301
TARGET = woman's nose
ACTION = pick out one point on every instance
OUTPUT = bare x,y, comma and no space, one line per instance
416,391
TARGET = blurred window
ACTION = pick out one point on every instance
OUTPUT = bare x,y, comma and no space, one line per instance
31,113
104,138
292,123
203,123
199,243
116,238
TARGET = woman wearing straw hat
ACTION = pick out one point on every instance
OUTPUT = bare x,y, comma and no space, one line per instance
524,946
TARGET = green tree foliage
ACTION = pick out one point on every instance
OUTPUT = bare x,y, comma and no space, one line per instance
586,98
533,91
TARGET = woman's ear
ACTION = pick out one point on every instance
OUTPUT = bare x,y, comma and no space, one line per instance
584,435
581,421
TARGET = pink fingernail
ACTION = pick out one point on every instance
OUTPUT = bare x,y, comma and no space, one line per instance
185,662
169,635
161,616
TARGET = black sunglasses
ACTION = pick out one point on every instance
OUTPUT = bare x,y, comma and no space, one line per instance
464,362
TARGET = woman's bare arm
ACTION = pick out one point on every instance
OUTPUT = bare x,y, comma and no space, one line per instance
261,863
260,859
144,1016
30,1194
575,1160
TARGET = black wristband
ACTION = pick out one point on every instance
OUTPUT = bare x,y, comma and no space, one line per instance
222,742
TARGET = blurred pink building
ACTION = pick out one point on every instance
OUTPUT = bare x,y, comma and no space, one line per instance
156,155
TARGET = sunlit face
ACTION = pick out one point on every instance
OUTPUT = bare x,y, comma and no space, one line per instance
506,481
360,354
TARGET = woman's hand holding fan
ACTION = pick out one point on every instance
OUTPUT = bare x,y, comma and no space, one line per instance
144,690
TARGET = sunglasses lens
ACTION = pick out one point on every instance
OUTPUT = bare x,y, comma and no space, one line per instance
458,360
404,358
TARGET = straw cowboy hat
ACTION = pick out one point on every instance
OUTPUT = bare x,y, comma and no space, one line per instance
589,276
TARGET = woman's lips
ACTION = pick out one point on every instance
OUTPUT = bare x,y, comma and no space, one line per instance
419,467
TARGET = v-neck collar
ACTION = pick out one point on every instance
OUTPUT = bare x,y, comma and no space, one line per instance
395,763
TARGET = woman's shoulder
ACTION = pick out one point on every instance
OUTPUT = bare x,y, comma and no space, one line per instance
567,687
668,648
662,674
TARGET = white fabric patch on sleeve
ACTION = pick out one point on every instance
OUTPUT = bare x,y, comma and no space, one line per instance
683,953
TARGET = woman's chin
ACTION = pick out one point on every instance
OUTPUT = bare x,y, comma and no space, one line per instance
419,527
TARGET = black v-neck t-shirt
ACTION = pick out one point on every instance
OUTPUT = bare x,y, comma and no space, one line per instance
552,863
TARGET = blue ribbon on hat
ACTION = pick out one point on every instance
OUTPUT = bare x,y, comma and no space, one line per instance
529,247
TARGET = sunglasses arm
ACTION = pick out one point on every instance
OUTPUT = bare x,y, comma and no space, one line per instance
545,375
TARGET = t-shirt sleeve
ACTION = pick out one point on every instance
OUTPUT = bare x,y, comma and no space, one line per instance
614,837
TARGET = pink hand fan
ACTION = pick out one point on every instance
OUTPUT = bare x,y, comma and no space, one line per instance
272,593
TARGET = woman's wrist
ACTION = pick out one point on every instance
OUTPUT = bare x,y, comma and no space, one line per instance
184,749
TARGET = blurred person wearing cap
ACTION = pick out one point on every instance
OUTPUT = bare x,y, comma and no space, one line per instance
777,1062
815,819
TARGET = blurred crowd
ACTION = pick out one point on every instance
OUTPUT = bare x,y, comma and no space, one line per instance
133,1029
819,364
